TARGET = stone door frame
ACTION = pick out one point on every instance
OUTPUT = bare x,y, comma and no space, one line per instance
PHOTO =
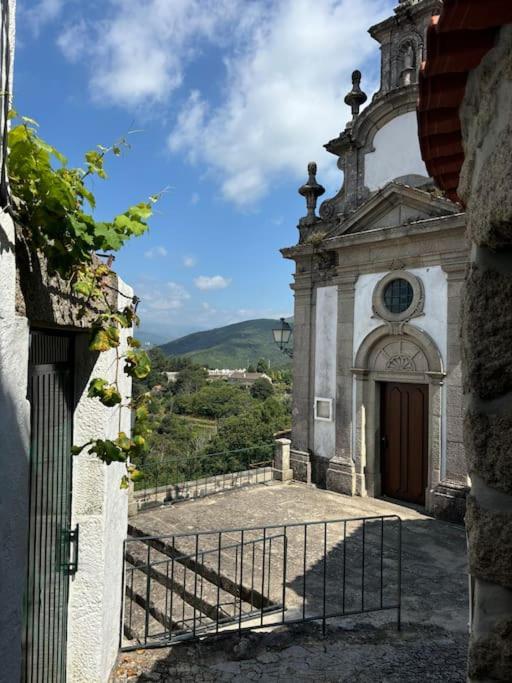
367,378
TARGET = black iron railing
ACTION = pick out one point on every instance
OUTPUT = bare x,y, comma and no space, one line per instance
191,585
170,479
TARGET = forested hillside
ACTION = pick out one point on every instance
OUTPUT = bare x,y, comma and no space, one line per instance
234,346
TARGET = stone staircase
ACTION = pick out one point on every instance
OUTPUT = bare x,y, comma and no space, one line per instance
176,589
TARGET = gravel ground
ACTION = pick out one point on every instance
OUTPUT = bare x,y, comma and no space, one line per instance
302,653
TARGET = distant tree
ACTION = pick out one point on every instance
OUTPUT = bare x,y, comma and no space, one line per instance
251,368
190,379
262,389
177,363
159,364
263,366
214,401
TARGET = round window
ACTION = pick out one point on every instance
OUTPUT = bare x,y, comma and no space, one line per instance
398,295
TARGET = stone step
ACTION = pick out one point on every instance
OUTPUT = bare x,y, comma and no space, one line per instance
182,551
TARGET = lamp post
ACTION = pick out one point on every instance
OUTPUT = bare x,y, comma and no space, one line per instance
282,336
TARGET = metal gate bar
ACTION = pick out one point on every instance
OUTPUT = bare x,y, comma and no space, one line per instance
312,571
50,392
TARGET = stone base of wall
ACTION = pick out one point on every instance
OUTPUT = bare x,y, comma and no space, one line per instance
340,478
301,465
319,467
447,501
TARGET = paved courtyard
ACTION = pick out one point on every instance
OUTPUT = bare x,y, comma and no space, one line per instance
430,647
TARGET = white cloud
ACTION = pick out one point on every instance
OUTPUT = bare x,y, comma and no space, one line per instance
161,298
205,282
42,12
284,96
189,261
138,51
287,68
194,199
155,252
73,40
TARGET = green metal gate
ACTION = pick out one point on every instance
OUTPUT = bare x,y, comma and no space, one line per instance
50,392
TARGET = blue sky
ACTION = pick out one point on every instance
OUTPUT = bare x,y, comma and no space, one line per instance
232,98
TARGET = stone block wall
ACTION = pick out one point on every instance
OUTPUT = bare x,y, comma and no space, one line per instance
100,507
486,186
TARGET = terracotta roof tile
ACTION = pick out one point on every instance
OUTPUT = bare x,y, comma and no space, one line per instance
457,41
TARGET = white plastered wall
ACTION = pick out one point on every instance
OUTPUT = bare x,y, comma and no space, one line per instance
14,431
325,367
14,459
100,507
397,152
434,320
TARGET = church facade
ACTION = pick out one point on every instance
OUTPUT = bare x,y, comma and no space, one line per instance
377,398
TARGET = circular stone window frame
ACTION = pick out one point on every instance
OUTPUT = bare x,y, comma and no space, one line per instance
418,297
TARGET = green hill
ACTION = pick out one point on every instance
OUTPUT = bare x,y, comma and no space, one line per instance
233,346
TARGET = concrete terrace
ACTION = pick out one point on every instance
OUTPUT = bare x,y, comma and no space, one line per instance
434,595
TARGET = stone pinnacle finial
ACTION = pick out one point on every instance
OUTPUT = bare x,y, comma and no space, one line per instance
311,190
356,97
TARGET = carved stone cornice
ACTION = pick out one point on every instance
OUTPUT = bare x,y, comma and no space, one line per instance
455,268
360,373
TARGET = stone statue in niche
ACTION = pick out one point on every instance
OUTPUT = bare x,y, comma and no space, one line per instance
408,71
409,57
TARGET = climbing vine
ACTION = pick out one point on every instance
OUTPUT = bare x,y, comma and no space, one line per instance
52,205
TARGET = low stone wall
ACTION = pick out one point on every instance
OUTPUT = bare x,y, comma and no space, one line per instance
197,488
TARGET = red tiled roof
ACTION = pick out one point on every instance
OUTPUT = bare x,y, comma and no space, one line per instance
457,41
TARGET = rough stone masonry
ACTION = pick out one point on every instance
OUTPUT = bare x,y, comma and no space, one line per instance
485,186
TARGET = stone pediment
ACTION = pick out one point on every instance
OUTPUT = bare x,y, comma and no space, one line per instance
393,205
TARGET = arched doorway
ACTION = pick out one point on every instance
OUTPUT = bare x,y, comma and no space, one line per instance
398,413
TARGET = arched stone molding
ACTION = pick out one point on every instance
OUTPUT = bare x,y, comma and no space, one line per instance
380,112
395,352
374,343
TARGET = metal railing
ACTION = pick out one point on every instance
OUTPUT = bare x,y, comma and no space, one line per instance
182,477
187,586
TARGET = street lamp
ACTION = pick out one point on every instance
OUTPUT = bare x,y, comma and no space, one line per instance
282,336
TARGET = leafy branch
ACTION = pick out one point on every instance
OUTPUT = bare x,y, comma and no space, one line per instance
53,207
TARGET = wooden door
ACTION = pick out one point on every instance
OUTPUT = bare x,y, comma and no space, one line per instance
404,441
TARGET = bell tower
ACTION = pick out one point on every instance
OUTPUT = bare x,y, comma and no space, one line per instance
380,144
402,41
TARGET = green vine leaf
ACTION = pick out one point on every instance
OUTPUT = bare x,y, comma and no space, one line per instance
103,339
124,442
137,364
52,208
53,199
107,450
107,393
